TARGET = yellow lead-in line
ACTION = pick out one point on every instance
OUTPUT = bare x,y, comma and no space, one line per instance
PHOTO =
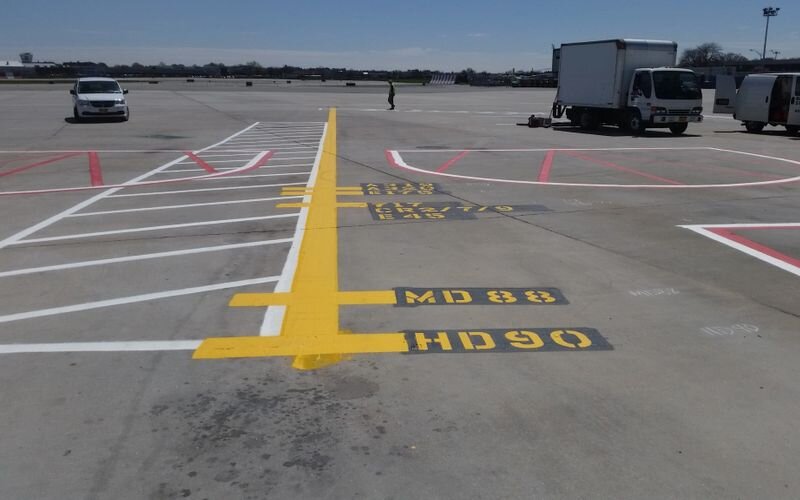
310,328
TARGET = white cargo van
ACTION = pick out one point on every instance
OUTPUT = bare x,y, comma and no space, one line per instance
628,83
769,98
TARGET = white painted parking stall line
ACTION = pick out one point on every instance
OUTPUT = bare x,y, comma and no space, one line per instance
152,228
110,346
189,205
133,299
282,174
141,257
724,235
94,199
230,188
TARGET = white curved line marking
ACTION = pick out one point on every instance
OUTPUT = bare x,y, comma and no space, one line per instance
223,173
399,162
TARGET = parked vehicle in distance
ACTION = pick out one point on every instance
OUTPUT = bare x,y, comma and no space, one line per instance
767,98
632,84
99,98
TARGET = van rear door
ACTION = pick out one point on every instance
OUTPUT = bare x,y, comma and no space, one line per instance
752,102
725,95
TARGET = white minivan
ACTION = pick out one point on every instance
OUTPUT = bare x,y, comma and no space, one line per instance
99,98
767,98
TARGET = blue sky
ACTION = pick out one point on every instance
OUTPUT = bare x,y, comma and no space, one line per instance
399,34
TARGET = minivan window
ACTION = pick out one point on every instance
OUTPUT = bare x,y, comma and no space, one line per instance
676,85
99,88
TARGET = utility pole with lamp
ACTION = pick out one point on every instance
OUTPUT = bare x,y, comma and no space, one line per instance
768,12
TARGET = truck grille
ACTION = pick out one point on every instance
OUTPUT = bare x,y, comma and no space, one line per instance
678,112
103,104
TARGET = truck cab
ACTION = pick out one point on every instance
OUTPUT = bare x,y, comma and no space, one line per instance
663,98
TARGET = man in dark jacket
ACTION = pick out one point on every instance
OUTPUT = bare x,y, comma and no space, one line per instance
391,95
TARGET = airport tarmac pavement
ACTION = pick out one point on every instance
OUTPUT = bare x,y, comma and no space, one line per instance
277,292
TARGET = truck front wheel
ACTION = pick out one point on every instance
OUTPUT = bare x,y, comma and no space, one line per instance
793,129
678,128
635,122
754,127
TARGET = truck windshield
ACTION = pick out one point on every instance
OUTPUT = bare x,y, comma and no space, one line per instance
676,85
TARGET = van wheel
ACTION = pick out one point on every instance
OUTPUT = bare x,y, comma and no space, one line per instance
127,116
754,127
75,115
793,129
588,120
678,128
635,122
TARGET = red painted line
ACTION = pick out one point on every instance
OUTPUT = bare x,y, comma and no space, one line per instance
37,164
622,169
452,161
224,173
729,234
205,166
748,173
547,164
95,172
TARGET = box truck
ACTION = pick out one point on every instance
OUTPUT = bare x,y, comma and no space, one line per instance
767,98
632,84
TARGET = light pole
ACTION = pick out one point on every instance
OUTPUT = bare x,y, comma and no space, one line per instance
768,12
776,53
757,53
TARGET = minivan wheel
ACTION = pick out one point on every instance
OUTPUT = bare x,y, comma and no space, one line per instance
75,115
127,115
754,127
678,128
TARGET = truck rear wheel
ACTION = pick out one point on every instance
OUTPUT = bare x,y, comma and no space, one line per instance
678,128
635,122
793,129
589,120
754,127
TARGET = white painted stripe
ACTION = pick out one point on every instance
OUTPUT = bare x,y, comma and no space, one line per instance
153,228
242,160
80,206
273,318
204,156
402,164
53,311
290,158
530,150
230,188
189,205
744,248
235,177
185,170
743,226
122,346
135,258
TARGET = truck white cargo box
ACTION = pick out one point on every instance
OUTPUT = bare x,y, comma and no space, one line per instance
596,74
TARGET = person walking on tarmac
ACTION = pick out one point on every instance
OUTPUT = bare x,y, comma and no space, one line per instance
391,95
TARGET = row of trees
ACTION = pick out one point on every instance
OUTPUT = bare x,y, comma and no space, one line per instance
709,54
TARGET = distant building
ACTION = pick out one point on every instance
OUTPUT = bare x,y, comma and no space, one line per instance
708,74
12,69
26,58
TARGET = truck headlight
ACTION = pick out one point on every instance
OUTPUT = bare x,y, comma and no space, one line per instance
84,102
658,110
697,110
